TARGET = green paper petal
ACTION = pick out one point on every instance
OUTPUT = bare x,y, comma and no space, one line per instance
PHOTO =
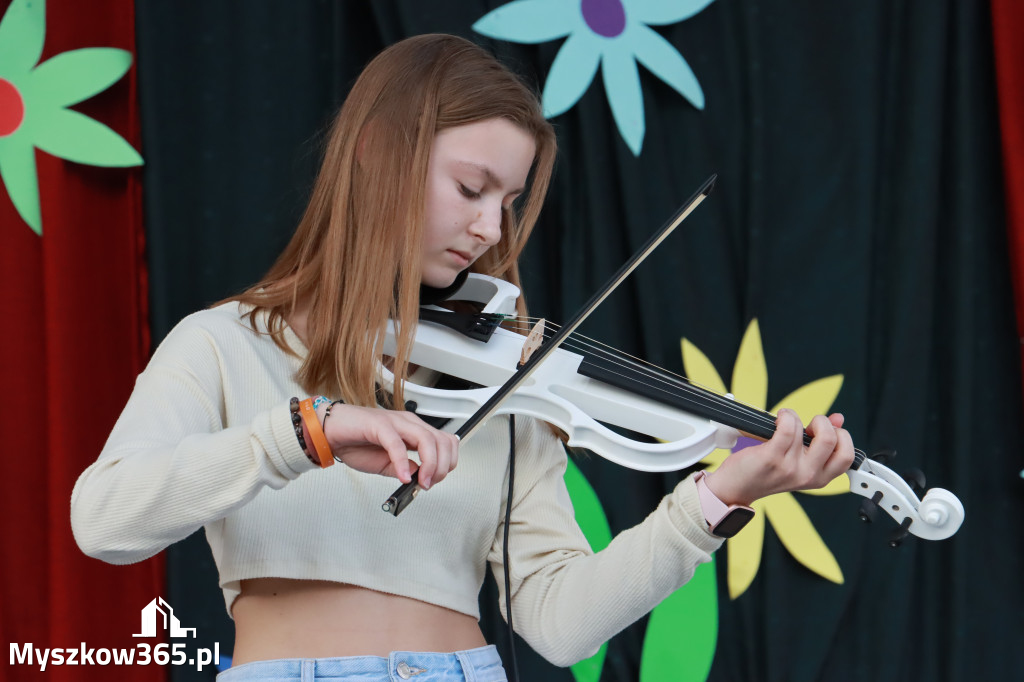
22,31
589,669
589,512
530,21
76,137
685,622
18,172
659,12
73,76
571,73
665,62
622,85
592,521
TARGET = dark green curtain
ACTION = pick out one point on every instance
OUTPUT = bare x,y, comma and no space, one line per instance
857,216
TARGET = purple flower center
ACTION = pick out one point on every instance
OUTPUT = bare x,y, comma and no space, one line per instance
12,108
744,442
604,17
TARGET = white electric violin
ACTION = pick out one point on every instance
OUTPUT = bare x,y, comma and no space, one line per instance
583,388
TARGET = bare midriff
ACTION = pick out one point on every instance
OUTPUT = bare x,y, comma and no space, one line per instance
280,618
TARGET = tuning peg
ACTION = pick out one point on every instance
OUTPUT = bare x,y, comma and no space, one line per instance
900,534
869,508
915,478
884,456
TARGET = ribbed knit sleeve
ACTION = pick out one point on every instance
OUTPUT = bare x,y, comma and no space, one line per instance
566,600
179,457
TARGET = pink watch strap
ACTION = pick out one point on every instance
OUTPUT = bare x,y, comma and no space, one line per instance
713,508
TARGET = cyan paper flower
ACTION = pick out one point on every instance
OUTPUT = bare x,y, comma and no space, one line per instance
612,34
34,101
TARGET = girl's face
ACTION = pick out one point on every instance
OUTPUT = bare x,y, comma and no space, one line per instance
475,172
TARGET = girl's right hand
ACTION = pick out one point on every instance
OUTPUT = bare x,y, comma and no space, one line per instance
377,441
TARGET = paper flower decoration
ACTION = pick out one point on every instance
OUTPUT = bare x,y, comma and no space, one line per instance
592,521
34,101
690,614
612,34
794,528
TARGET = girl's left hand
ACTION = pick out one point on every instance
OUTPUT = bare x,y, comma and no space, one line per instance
784,463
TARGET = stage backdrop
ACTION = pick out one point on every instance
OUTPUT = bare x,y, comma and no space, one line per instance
75,334
853,256
858,218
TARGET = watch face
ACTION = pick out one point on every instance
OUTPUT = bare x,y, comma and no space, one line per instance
733,522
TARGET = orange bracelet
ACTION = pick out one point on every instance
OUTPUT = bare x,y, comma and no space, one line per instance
316,433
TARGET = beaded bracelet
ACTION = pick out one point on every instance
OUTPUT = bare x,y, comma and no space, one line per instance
316,433
328,414
293,405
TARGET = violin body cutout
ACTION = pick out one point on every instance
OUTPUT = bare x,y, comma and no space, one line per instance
556,393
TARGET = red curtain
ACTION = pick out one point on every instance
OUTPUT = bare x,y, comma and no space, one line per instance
75,337
1008,27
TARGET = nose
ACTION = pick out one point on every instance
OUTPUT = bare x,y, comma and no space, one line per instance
487,226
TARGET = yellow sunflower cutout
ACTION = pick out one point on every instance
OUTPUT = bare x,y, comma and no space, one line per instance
791,523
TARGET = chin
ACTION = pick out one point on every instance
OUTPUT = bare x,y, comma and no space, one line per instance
439,281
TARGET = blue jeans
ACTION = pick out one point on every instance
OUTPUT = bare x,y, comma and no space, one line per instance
475,665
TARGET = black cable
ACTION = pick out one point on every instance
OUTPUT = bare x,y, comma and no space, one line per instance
508,518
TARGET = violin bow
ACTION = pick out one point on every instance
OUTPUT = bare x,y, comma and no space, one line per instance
405,494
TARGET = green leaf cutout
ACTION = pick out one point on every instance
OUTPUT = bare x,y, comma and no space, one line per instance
18,173
682,632
45,91
70,77
592,520
76,137
22,31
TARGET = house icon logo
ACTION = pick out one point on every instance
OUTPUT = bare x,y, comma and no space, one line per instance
159,608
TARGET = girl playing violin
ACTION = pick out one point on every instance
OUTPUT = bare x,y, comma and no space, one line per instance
436,165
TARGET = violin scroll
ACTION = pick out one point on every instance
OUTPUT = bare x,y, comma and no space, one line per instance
937,516
941,509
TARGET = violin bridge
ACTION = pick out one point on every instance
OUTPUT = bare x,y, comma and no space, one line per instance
533,341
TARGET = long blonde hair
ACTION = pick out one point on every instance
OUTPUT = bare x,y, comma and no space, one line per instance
354,260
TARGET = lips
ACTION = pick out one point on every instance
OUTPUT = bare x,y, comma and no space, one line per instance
463,258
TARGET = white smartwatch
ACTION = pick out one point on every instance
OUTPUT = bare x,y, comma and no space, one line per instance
724,520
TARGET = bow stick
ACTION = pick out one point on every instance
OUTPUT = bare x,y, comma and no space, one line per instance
405,494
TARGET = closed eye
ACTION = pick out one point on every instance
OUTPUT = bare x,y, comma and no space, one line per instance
468,193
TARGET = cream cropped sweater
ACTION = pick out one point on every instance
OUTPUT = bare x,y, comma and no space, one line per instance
206,441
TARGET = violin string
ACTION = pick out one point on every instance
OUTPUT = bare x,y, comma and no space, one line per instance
593,343
600,347
748,415
639,366
715,401
649,369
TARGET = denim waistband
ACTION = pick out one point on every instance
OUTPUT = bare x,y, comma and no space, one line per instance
474,665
